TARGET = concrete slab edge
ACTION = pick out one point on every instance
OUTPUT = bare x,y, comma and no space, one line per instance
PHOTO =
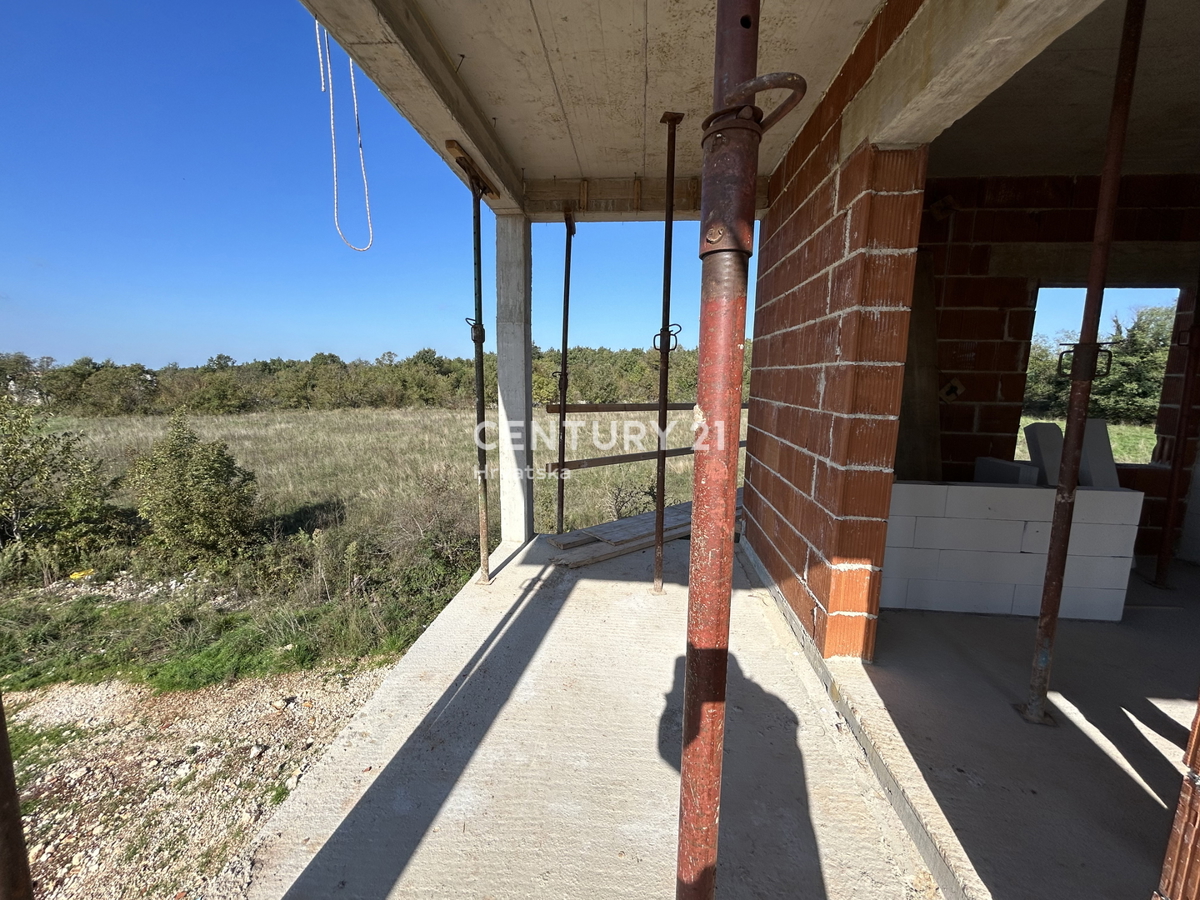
900,779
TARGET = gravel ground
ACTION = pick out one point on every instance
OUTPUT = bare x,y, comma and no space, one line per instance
129,793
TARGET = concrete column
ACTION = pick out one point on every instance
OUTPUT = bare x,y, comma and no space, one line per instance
514,365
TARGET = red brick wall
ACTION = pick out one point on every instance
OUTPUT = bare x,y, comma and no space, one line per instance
835,282
1182,861
985,322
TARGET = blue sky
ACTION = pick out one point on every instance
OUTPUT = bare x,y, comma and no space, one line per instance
167,197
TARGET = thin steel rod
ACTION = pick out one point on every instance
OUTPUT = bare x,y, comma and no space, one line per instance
671,120
730,171
1179,449
477,336
599,461
615,407
1083,365
569,221
15,881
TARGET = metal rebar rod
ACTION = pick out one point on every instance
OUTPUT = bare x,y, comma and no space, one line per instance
671,120
478,335
1166,549
1083,365
730,171
15,880
569,221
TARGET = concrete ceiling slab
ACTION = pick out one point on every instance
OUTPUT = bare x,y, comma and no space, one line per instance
1052,116
571,89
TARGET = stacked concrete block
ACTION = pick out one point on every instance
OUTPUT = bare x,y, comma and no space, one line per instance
982,548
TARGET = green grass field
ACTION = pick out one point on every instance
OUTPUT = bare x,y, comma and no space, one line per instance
1130,443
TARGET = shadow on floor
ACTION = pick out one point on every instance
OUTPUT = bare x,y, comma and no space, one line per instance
1080,810
767,847
373,845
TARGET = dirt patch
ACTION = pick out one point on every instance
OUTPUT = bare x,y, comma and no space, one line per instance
128,793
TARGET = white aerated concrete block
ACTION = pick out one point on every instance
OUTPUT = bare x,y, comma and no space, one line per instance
1104,604
918,498
1096,465
993,501
1086,539
1045,442
993,568
1002,535
1098,505
961,596
892,593
990,470
910,562
900,531
1097,572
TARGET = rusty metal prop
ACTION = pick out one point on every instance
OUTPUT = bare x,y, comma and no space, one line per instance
569,221
1083,367
666,343
478,188
1190,339
730,142
15,880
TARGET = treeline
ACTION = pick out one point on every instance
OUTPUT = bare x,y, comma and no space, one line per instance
1131,390
425,379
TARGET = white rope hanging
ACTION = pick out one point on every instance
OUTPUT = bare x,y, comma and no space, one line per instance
325,62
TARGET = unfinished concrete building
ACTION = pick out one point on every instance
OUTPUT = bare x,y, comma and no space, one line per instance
941,168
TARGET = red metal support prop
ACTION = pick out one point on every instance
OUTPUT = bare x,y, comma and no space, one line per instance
1191,340
15,881
1083,366
731,137
569,220
665,338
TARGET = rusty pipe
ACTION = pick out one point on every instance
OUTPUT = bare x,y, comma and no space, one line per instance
1179,450
15,880
1083,365
478,335
726,242
569,221
671,120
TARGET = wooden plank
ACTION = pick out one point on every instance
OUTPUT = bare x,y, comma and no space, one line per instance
600,551
569,539
634,527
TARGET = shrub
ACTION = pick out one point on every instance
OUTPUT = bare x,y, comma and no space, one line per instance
50,491
200,504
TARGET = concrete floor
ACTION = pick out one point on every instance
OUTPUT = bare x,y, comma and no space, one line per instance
1079,810
528,745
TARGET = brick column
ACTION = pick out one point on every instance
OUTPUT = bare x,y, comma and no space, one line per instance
831,329
1181,867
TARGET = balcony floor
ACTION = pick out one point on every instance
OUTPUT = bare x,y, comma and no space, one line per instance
528,744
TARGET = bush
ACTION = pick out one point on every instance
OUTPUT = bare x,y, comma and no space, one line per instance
1129,393
200,504
50,492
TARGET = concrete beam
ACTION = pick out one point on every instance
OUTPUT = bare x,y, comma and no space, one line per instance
618,199
1132,263
514,373
952,55
394,45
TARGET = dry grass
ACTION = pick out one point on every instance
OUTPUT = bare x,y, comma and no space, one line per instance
360,466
